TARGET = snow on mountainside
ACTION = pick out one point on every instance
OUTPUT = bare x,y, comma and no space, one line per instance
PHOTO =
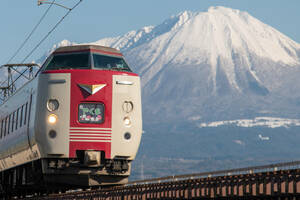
222,64
270,122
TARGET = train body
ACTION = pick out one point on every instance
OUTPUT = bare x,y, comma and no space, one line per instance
77,123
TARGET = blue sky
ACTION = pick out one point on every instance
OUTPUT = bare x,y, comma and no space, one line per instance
96,19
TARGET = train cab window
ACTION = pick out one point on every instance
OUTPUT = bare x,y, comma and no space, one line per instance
91,113
69,61
110,63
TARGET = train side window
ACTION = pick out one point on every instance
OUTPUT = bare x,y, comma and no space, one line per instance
13,121
21,116
1,128
8,125
25,113
17,118
4,127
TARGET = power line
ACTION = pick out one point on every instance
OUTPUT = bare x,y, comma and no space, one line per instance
28,37
56,25
43,39
31,33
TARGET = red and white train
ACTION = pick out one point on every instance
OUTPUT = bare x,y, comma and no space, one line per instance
77,123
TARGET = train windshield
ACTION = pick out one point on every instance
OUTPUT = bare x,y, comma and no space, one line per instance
69,61
110,63
86,60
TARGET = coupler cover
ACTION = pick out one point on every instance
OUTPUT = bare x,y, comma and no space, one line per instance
92,158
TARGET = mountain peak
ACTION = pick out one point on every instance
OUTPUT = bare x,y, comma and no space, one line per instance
217,32
222,9
180,19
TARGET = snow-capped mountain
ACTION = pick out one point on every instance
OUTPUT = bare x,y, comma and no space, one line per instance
219,87
220,64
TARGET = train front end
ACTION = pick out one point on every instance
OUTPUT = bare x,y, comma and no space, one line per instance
89,120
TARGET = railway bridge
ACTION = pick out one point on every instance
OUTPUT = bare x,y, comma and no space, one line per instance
275,181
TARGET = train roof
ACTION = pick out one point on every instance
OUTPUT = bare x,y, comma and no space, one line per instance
76,48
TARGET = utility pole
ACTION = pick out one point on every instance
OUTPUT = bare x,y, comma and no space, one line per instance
9,88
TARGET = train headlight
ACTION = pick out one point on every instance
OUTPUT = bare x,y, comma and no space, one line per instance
52,105
127,121
52,119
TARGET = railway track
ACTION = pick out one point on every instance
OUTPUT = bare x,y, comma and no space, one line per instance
275,181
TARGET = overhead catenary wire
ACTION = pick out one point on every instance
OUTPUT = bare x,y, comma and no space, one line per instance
31,33
28,37
55,26
43,39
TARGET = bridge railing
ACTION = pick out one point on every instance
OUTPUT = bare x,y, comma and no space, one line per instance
229,172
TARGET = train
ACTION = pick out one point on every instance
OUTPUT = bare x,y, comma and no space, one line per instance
77,123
